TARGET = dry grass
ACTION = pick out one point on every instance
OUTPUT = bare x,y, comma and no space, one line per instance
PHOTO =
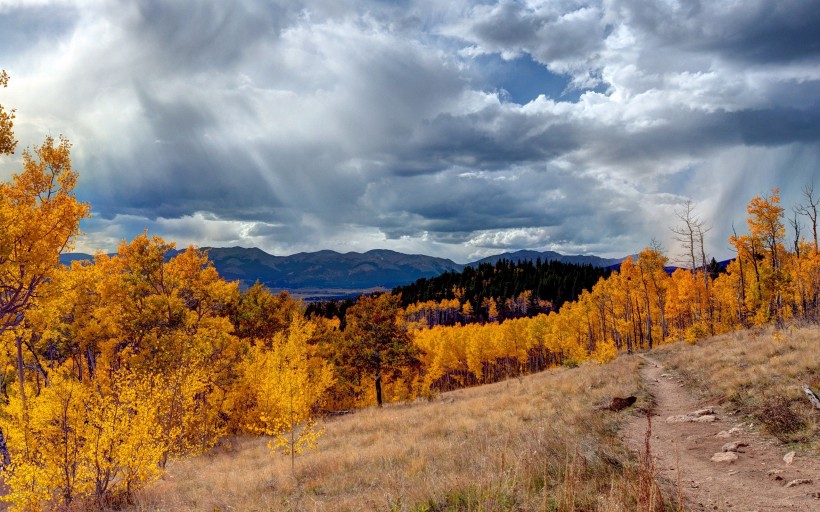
532,444
758,372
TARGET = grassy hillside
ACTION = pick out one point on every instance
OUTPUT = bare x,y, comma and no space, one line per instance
537,443
531,444
759,373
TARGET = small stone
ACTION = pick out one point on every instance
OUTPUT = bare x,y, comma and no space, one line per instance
799,481
693,417
703,412
734,446
723,434
729,457
789,458
773,472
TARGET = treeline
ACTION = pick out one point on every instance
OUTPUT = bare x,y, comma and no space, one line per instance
642,305
487,293
507,289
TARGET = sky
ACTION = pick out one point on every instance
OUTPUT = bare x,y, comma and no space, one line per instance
457,129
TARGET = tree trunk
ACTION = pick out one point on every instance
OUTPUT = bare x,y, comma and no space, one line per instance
20,375
379,389
4,450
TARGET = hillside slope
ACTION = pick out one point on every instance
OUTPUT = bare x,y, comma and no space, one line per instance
751,383
698,453
531,444
537,443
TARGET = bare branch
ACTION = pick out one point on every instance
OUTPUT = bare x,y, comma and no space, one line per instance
810,209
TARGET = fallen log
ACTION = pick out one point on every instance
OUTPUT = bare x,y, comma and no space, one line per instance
338,413
812,397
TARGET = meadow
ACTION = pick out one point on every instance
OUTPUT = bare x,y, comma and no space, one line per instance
535,443
541,442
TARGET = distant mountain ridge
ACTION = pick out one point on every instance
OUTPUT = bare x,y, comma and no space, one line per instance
349,273
524,255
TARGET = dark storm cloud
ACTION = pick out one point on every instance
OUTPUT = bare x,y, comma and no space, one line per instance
495,138
561,31
753,31
501,210
24,29
777,126
358,124
197,36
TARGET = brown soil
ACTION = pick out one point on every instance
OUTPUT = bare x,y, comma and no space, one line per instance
756,481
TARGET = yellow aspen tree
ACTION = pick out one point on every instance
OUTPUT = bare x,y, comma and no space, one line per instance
289,384
376,340
426,341
766,225
7,140
39,218
478,351
123,445
653,283
467,311
46,440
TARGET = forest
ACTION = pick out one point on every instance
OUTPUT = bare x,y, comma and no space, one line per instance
486,293
112,368
507,289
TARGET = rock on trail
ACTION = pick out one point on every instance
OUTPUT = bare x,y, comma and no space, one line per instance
721,464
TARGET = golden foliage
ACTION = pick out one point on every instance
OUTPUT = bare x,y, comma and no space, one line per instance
637,307
135,364
7,141
286,383
39,217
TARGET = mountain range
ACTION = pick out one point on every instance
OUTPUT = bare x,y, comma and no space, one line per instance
325,274
524,255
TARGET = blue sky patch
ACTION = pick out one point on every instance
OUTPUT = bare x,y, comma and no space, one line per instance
524,79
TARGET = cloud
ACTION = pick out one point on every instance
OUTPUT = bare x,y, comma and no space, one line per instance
565,36
359,124
748,31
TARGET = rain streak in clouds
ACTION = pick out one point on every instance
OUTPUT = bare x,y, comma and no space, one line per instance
456,129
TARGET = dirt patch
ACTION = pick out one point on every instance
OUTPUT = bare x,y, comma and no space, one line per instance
749,475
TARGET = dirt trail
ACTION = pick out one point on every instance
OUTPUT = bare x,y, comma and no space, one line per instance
756,481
